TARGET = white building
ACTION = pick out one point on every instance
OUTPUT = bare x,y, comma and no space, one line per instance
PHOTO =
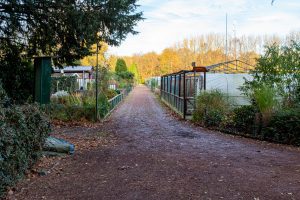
84,74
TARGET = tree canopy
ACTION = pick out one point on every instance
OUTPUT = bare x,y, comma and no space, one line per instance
205,50
64,28
278,68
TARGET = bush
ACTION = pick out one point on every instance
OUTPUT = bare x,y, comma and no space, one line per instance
78,107
213,117
68,113
211,108
284,127
104,106
243,119
111,93
23,130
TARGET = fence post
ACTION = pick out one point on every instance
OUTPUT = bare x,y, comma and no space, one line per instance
195,95
179,92
184,96
175,98
204,85
161,86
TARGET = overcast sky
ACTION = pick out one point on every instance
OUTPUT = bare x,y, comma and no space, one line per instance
170,21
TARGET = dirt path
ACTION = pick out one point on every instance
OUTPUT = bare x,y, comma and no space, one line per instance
159,157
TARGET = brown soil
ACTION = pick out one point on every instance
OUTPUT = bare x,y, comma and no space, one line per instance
142,152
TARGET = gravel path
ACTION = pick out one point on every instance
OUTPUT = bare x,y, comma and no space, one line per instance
159,157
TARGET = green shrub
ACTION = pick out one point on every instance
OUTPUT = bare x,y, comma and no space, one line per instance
68,113
284,127
213,117
211,108
110,93
23,130
153,84
79,106
243,119
104,106
88,100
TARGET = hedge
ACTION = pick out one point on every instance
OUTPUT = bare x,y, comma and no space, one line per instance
23,130
244,119
213,112
284,127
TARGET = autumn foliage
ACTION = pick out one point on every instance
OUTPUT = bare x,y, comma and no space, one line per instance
204,50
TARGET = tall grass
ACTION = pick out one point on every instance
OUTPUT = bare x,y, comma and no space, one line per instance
74,99
265,98
78,106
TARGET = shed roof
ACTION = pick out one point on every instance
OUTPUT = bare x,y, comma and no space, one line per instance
73,69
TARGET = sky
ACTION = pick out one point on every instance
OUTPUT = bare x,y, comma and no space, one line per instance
170,21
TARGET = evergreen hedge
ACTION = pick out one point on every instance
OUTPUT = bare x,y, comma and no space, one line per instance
23,130
282,127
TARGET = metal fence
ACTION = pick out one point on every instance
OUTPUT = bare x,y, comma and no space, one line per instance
113,102
178,90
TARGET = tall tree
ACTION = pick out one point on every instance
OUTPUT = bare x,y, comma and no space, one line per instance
121,66
278,68
133,69
64,29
